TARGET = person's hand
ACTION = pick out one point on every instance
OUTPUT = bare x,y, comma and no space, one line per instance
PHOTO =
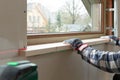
74,42
114,38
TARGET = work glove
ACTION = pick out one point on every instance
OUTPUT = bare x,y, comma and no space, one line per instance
115,39
74,42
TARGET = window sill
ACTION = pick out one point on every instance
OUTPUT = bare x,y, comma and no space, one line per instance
55,47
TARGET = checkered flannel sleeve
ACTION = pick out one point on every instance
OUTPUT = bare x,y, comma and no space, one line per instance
104,60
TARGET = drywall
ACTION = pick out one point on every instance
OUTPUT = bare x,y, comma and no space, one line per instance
12,25
68,65
117,17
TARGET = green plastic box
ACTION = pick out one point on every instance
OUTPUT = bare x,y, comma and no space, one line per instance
21,70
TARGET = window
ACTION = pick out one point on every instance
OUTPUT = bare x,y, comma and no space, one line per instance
58,20
63,16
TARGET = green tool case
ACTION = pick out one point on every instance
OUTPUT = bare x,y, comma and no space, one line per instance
21,70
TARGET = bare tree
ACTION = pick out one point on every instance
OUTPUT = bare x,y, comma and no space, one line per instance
72,9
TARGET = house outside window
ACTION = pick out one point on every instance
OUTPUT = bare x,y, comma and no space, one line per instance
63,16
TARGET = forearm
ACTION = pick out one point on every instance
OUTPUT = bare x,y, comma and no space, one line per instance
104,60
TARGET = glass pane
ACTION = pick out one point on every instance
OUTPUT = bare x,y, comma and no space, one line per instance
59,16
96,17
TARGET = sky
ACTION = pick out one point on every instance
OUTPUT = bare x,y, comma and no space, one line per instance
53,5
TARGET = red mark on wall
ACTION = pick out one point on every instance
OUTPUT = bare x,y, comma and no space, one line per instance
12,51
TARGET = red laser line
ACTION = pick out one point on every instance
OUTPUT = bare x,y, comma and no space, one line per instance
11,51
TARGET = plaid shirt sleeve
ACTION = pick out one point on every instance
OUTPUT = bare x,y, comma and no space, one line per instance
104,60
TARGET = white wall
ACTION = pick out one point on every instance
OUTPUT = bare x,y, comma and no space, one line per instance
68,65
12,25
117,21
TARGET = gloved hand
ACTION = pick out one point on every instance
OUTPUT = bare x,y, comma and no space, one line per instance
114,38
74,42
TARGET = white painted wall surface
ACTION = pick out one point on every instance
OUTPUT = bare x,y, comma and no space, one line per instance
12,25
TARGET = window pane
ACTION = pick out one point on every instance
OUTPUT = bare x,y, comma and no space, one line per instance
61,16
96,17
